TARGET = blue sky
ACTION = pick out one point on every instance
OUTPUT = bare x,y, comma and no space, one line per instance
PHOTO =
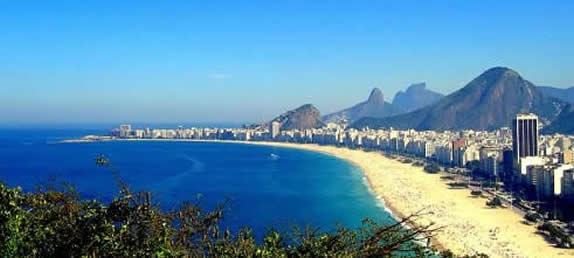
246,61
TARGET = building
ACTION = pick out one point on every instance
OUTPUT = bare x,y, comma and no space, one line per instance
508,164
525,136
458,152
274,129
559,171
526,162
545,183
566,157
125,131
490,156
567,186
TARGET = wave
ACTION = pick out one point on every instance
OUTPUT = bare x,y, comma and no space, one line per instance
380,201
196,167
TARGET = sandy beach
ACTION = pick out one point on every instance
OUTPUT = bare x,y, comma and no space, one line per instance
470,227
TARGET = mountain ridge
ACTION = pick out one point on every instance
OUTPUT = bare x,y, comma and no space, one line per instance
374,106
304,117
563,123
415,96
566,94
489,101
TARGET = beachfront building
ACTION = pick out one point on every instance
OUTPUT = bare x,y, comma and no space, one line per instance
125,131
567,186
525,136
274,129
526,162
566,157
490,157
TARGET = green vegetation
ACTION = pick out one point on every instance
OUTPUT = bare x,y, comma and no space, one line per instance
458,185
533,217
432,168
562,239
495,202
407,161
476,193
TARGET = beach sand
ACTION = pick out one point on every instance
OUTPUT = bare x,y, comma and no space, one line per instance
470,227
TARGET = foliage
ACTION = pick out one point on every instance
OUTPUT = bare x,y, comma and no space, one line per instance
562,238
432,168
458,185
533,217
407,161
495,202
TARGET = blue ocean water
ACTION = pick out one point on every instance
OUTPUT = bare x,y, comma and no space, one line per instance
267,186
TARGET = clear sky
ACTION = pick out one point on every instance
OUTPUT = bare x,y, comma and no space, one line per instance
246,61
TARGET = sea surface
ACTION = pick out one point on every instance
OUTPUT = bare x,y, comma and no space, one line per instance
266,186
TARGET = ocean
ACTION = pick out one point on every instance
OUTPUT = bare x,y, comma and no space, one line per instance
267,187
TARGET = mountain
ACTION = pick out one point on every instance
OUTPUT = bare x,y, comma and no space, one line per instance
416,96
374,106
563,124
303,117
489,101
563,94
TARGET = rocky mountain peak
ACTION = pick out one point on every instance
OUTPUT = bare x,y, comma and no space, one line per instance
376,96
417,87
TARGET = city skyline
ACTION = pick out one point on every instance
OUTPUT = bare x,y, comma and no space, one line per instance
143,62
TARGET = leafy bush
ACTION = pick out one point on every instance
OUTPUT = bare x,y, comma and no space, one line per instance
432,168
495,202
533,217
562,238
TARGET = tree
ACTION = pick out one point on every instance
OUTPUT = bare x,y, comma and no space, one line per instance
432,168
495,202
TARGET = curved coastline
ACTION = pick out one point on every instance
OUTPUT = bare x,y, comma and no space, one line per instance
469,226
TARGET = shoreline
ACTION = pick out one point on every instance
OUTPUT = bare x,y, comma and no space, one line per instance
470,227
386,206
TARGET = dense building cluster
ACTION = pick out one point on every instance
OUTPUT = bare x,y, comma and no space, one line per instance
542,166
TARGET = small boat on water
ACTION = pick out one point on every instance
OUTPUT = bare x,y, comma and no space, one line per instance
274,156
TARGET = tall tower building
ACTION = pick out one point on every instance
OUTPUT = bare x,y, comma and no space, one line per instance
274,128
525,136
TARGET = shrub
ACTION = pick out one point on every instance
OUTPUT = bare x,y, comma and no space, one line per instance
432,168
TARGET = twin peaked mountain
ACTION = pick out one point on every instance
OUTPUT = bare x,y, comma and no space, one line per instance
489,101
375,106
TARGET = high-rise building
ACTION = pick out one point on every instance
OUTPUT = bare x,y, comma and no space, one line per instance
508,161
567,185
125,130
566,157
274,129
458,152
525,136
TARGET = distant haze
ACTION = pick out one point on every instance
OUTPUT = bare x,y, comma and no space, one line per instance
97,62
